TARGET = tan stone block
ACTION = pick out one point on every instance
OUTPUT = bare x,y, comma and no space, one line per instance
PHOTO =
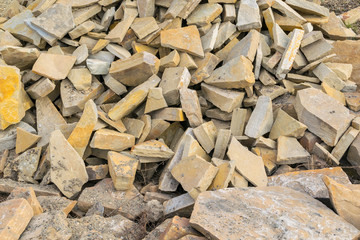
191,106
23,58
152,148
192,148
82,29
248,16
158,126
344,143
143,26
268,156
290,151
223,176
247,163
169,114
238,121
238,181
332,92
353,100
170,60
56,203
205,67
29,195
118,33
97,172
134,126
187,61
285,125
356,123
206,135
25,140
41,88
194,174
246,47
155,100
222,141
204,14
16,215
122,170
177,228
112,140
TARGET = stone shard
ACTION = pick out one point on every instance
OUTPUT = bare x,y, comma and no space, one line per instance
204,14
81,78
261,119
290,151
29,195
323,115
344,198
206,135
25,140
344,143
326,75
80,136
155,100
246,47
144,26
249,213
194,174
56,203
7,185
107,139
285,125
191,106
308,7
67,170
152,148
249,165
185,39
23,58
309,181
248,16
15,216
236,73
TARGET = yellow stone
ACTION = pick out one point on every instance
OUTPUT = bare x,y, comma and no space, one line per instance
223,176
112,140
138,48
122,170
285,125
152,148
268,156
12,104
80,136
99,45
29,195
332,92
25,140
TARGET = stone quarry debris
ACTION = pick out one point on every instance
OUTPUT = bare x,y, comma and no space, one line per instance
180,119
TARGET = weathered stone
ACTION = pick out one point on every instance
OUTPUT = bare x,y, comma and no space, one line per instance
205,66
226,31
344,143
309,181
227,76
53,66
41,88
332,92
122,170
97,172
177,228
170,60
173,79
192,148
81,78
353,155
248,16
16,215
191,106
181,205
308,7
344,199
246,47
25,140
268,156
204,14
266,78
187,61
143,26
288,57
206,135
288,11
325,74
155,100
356,123
169,114
83,14
82,29
223,176
281,40
321,152
127,203
80,136
238,121
56,203
185,39
23,58
97,67
118,33
29,195
317,50
208,40
67,170
314,108
133,99
112,140
152,148
194,174
134,126
158,127
81,54
285,125
56,20
261,119
216,113
249,165
114,85
229,213
226,100
272,91
146,8
290,151
7,39
335,29
7,185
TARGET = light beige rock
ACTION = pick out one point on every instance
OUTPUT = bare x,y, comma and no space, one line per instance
136,69
185,39
285,125
16,215
192,148
225,99
209,39
41,88
344,143
308,7
288,11
187,61
248,16
118,33
83,14
205,66
81,78
332,92
81,53
325,74
112,140
343,70
261,119
122,170
314,108
238,181
204,14
321,152
25,140
7,39
222,141
194,174
143,26
173,79
170,60
206,135
114,85
191,106
29,195
290,151
82,29
158,126
169,114
268,156
23,58
155,100
246,47
67,170
223,176
134,126
53,66
317,50
238,120
247,163
80,136
152,148
133,99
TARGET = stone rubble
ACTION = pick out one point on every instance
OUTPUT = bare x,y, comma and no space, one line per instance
178,119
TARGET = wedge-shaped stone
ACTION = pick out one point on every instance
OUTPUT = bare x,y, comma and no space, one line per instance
317,50
332,92
246,47
57,20
16,215
286,10
133,99
114,85
56,203
353,155
325,74
185,39
23,58
247,163
309,181
169,114
206,135
12,102
67,170
146,8
345,199
343,70
249,212
192,148
82,29
261,119
289,55
112,140
335,29
122,170
118,33
290,151
81,78
323,115
204,14
222,141
7,185
223,176
41,88
170,60
155,100
136,69
173,79
226,100
236,73
281,40
152,148
80,136
344,143
29,195
54,66
25,140
144,26
187,61
205,66
209,39
226,30
194,174
285,125
191,106
308,7
248,16
7,39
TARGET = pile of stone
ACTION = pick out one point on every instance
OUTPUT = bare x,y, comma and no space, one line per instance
178,119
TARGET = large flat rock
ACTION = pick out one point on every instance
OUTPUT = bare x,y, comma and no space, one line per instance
266,213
